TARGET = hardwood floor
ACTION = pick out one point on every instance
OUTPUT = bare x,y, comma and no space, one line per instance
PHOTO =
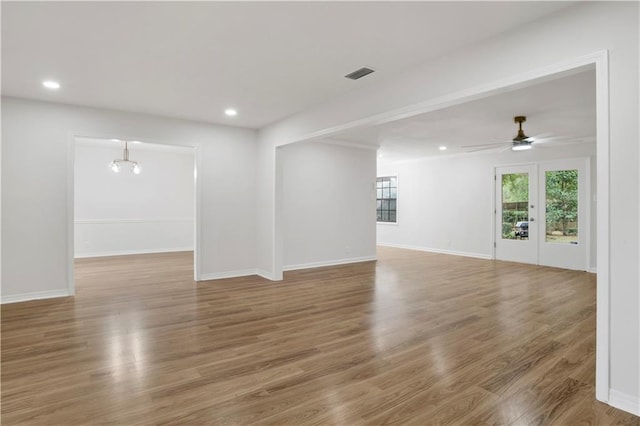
414,338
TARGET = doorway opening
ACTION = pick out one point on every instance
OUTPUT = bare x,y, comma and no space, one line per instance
132,198
598,62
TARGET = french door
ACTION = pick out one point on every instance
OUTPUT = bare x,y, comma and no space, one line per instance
516,214
542,216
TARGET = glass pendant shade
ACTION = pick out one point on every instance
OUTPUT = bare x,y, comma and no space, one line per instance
116,164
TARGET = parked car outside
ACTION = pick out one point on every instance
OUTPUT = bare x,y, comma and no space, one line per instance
522,230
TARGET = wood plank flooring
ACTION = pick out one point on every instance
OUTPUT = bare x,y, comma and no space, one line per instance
414,338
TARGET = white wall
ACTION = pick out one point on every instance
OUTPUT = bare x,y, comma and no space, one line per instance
579,30
445,203
269,227
328,204
36,139
125,213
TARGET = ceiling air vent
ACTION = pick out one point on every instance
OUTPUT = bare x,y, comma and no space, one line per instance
359,73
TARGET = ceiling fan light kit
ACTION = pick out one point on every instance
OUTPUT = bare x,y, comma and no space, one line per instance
521,142
117,164
521,146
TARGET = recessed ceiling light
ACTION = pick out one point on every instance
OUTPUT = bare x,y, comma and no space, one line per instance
231,112
50,84
379,155
442,148
115,140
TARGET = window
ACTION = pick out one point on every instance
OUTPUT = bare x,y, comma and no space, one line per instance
387,198
562,206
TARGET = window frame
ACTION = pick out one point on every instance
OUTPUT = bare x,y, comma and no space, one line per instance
389,177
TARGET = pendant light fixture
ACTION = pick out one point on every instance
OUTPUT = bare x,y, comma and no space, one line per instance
117,164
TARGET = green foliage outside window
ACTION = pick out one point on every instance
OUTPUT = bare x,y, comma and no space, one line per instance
562,201
515,202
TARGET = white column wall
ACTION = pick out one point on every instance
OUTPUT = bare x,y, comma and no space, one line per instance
268,231
328,204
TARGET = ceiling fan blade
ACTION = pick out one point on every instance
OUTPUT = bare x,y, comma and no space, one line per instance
486,148
558,140
485,144
543,136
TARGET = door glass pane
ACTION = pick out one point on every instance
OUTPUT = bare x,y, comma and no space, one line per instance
561,188
515,206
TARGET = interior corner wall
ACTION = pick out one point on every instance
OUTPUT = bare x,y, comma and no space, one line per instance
581,29
126,213
445,203
268,258
328,204
36,138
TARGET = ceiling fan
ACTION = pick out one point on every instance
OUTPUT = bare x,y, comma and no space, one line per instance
520,141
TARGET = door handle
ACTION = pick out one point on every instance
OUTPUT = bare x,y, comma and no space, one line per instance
531,219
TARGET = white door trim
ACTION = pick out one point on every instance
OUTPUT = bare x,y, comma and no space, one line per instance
603,292
197,243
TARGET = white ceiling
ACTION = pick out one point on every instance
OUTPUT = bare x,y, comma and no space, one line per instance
562,108
267,59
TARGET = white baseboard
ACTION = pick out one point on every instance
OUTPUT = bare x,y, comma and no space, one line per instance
24,297
228,274
329,263
441,251
592,270
265,274
128,252
239,273
624,402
